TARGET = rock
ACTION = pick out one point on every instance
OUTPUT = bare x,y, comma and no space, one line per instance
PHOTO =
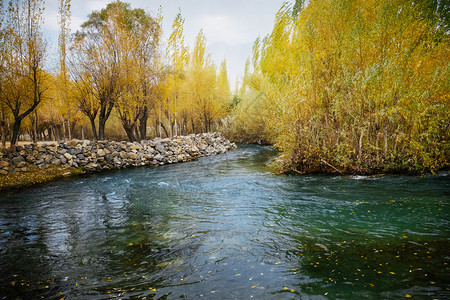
160,147
94,156
159,158
117,161
101,152
3,172
17,159
132,155
92,166
21,164
31,159
56,162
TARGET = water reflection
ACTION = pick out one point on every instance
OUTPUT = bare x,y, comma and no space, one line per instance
224,227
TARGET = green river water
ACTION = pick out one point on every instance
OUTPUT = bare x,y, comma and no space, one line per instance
224,227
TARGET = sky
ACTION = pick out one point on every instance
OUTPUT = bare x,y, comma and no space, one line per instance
230,26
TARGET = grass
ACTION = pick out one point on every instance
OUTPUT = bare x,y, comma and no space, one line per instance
34,176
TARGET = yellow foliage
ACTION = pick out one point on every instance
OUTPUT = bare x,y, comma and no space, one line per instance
353,86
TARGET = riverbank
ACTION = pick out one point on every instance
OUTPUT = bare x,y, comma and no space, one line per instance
38,163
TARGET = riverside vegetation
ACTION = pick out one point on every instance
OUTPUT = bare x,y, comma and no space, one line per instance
351,86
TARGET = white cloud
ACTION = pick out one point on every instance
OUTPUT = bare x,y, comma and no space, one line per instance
222,28
98,4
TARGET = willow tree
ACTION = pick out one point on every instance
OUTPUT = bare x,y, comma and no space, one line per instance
177,54
95,56
23,80
116,49
63,40
202,86
356,86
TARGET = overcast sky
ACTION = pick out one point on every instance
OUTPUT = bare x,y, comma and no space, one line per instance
230,26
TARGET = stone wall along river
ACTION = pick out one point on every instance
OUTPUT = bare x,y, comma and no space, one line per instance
92,156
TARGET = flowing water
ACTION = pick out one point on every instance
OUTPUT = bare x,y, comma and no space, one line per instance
224,227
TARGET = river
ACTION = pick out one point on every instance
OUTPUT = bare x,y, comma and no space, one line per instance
224,227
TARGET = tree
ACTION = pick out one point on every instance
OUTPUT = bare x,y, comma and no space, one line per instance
178,57
95,54
116,50
138,42
23,81
353,86
203,85
64,22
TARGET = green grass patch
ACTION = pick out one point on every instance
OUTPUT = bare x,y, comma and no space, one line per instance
35,175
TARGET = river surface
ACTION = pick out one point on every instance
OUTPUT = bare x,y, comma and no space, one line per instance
224,227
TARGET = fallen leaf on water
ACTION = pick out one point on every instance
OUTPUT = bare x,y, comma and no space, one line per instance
408,296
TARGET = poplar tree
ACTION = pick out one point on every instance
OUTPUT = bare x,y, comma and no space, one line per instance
64,23
23,82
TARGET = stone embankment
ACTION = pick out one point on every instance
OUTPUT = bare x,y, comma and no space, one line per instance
93,156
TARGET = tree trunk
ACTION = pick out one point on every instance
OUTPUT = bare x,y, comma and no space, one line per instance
63,127
129,132
164,128
35,125
105,112
143,124
3,124
101,128
15,135
68,120
94,130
